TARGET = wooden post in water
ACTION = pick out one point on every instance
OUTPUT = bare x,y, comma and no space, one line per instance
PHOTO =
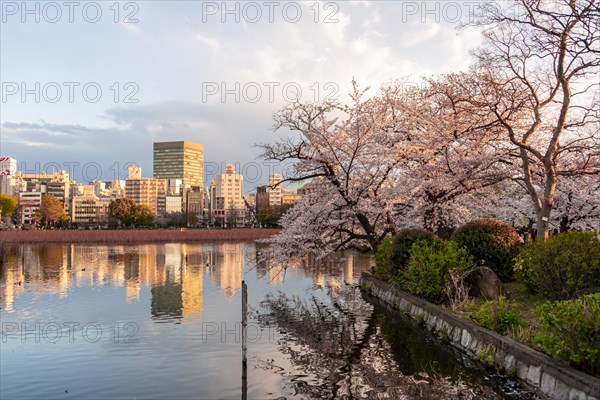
244,337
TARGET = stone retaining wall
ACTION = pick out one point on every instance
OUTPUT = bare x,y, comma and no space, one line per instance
548,377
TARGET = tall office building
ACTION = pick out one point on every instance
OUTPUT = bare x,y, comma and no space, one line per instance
180,160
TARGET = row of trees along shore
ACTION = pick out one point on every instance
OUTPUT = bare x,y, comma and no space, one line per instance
516,135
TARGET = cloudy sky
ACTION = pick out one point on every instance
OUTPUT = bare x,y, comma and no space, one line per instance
89,86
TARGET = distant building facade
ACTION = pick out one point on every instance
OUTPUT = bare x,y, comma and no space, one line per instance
275,189
173,204
262,197
88,208
29,204
148,191
228,202
290,198
179,160
8,170
134,172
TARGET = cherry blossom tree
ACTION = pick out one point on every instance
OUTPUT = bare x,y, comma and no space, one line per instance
576,206
538,70
460,153
523,120
352,155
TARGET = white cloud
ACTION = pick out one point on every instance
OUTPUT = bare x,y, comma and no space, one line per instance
213,44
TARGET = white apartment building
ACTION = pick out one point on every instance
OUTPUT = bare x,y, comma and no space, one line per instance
228,202
8,170
275,192
88,208
29,204
173,204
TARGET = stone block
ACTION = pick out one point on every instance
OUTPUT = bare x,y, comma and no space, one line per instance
509,361
561,391
456,335
575,394
548,384
473,344
522,370
465,339
533,375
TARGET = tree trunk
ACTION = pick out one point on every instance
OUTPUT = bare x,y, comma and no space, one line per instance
543,220
543,215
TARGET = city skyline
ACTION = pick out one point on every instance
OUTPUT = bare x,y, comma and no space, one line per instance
87,172
175,194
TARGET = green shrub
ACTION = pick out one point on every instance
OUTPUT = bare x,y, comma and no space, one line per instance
497,315
430,265
444,336
491,243
561,265
402,245
571,332
485,356
382,259
512,372
420,319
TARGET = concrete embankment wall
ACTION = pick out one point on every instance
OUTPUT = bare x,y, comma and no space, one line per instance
548,377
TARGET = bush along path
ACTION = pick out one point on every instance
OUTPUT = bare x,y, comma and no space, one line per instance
548,300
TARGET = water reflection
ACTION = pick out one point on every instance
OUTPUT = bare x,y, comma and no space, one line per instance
174,271
344,347
314,335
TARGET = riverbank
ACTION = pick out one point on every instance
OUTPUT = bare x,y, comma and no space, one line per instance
134,235
551,378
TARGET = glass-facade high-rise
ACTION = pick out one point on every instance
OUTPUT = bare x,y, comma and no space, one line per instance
179,160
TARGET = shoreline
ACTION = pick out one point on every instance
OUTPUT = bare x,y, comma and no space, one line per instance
134,235
548,377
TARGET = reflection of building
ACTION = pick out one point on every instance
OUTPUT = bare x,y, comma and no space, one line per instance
166,299
172,273
11,277
276,273
47,265
192,279
349,268
318,278
228,275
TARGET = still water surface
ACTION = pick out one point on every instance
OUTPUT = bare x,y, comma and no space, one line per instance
162,321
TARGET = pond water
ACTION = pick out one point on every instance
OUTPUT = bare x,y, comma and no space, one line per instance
157,321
